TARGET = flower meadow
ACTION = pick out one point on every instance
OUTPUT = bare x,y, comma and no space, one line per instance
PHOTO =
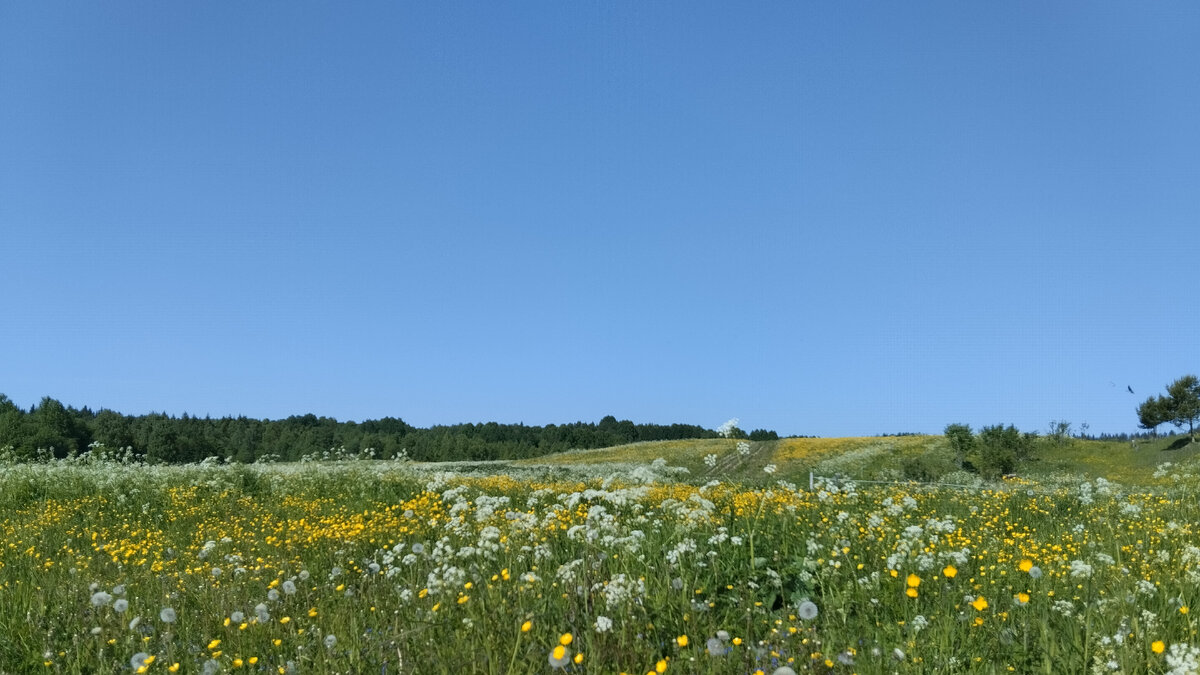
386,567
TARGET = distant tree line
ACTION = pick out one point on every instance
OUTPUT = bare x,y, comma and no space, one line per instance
164,438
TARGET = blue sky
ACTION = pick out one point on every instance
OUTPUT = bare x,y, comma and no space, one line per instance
820,218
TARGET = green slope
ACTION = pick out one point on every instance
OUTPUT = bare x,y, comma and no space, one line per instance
927,458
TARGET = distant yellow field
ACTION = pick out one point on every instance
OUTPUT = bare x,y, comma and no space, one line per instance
811,450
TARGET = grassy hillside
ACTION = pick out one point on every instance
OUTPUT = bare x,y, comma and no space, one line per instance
926,458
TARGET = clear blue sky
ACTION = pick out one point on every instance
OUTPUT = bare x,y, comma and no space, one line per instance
821,218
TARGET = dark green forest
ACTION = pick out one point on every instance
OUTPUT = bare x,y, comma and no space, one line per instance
62,430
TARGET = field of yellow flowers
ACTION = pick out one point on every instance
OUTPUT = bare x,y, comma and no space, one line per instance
378,567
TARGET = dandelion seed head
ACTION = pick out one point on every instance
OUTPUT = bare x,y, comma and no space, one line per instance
167,615
559,657
807,610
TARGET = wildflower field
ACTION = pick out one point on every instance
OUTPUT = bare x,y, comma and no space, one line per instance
385,567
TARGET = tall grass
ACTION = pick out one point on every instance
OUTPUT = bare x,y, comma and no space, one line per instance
373,567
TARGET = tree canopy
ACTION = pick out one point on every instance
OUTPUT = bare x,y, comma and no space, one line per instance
1180,407
53,427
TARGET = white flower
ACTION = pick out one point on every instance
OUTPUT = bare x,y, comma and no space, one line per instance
726,430
100,599
167,615
1183,660
603,624
330,641
120,606
237,617
289,587
769,469
1080,569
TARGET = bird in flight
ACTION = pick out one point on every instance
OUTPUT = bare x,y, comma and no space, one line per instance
1129,388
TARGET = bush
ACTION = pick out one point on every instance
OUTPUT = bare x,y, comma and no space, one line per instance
1002,449
920,468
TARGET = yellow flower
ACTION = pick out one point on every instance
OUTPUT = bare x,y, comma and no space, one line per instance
559,651
737,642
913,581
1025,565
1157,646
463,598
911,592
526,626
149,659
565,639
174,668
312,612
681,640
285,619
949,572
579,657
252,660
214,644
980,603
1022,598
237,663
661,666
1183,610
277,642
